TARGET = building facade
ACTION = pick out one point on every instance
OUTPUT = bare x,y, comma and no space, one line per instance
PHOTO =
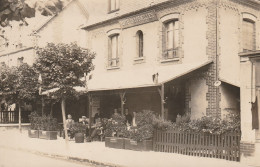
174,57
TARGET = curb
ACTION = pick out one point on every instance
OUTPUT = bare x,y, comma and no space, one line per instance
63,157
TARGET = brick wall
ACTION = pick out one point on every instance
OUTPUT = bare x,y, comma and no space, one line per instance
213,95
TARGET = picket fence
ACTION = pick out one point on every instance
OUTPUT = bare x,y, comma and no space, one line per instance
224,146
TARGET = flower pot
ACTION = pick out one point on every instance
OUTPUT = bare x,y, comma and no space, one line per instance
115,142
33,133
79,138
49,135
145,145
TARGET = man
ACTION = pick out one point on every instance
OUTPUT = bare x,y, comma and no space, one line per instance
128,117
84,120
69,123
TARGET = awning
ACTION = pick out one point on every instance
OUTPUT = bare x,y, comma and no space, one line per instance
140,77
230,81
77,88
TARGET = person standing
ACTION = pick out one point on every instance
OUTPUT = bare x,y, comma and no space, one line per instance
128,117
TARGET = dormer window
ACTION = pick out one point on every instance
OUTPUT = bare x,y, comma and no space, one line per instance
113,5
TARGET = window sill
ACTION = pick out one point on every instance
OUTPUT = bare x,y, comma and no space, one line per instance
112,11
139,60
170,60
113,68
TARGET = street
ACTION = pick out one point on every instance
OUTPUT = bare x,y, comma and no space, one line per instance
14,158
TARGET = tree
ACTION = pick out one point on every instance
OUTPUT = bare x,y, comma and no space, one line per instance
62,67
18,10
18,85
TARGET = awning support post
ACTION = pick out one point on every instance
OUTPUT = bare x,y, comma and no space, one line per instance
90,112
161,92
123,100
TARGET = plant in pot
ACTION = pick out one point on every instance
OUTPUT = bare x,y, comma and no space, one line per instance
78,130
48,127
34,118
140,136
115,132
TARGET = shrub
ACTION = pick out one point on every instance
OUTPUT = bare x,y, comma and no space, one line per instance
78,128
144,129
46,123
115,125
34,120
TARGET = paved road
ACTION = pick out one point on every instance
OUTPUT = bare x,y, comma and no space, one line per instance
14,158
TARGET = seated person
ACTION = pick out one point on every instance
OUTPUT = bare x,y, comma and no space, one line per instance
84,120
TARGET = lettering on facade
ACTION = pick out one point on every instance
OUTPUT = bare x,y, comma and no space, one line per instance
139,19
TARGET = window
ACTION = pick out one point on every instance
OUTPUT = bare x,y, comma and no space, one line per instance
140,44
113,5
171,39
248,35
113,59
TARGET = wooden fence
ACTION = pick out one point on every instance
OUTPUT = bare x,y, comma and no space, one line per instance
225,146
8,117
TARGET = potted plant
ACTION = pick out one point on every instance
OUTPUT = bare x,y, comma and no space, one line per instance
115,132
48,128
78,130
33,132
140,136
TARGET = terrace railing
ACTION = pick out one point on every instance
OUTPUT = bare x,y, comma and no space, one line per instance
8,117
225,146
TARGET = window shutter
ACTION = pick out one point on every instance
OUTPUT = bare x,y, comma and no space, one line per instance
163,40
117,4
112,5
109,50
176,35
108,5
248,34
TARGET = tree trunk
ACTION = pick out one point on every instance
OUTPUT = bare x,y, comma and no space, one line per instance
63,104
90,113
51,109
42,105
20,118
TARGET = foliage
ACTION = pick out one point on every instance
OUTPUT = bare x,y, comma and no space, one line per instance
18,84
48,123
144,129
206,124
78,128
19,9
34,120
115,125
161,124
45,122
62,66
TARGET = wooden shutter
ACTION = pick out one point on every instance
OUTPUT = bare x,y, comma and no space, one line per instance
163,40
108,5
109,51
176,35
117,4
248,34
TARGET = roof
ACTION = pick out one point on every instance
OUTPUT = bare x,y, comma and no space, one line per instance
112,80
98,14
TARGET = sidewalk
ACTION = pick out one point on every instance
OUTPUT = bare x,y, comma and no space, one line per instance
97,153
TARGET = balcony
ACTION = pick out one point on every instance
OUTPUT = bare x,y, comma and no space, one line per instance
113,63
170,55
